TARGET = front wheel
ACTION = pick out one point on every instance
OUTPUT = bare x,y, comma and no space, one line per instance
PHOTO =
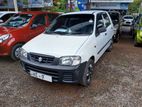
87,75
16,51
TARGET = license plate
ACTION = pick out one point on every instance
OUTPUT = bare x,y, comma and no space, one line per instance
41,76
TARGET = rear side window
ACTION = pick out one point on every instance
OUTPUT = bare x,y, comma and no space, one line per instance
6,17
99,23
39,20
51,16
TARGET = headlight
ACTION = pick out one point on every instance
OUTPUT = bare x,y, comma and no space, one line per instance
4,37
23,53
70,60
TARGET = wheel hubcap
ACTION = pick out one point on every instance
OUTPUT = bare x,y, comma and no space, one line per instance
89,73
17,52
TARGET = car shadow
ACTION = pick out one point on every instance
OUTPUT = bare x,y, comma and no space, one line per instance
5,59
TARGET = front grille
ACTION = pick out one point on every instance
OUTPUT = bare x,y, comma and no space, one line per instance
54,74
41,58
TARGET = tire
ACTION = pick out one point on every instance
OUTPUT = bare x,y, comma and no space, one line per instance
117,38
88,72
110,47
15,51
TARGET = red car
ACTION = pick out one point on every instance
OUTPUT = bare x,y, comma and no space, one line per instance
20,29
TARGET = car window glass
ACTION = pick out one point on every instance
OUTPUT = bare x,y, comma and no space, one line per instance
18,20
39,20
75,24
128,17
99,23
6,16
106,19
51,16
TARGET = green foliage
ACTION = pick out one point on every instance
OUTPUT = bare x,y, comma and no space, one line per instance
134,7
59,6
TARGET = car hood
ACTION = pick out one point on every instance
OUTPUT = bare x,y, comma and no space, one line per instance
5,30
55,45
130,20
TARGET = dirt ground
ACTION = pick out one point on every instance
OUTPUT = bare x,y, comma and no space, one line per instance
117,82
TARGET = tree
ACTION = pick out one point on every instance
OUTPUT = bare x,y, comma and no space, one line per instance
134,7
59,5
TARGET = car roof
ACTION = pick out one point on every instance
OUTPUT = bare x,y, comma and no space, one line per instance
85,12
36,12
8,12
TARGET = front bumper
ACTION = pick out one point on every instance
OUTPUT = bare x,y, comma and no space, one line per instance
62,74
4,49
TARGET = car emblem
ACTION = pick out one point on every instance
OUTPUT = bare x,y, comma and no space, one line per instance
40,59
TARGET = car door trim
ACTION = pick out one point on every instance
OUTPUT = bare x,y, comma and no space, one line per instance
103,47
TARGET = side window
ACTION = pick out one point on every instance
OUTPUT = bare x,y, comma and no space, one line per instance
6,17
39,20
51,16
106,19
99,23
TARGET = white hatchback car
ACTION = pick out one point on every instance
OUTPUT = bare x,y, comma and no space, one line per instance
128,20
67,50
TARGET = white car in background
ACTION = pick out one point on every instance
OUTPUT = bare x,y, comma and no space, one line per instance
5,15
127,20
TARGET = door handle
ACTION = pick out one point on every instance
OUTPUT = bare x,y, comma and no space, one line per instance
105,34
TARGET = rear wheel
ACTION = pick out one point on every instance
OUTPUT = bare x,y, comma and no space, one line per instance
16,51
116,39
87,75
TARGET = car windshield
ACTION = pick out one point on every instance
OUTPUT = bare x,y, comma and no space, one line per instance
128,17
18,20
81,24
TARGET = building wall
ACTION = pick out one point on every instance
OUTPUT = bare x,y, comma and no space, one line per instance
114,1
110,4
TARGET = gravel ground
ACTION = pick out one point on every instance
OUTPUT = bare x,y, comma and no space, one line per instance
117,82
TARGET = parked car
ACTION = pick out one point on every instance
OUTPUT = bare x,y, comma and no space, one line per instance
21,28
5,15
138,31
127,20
116,19
67,50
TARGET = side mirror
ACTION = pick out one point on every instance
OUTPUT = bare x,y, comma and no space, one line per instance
1,21
33,26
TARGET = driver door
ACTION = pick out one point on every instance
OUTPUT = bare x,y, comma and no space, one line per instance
100,36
